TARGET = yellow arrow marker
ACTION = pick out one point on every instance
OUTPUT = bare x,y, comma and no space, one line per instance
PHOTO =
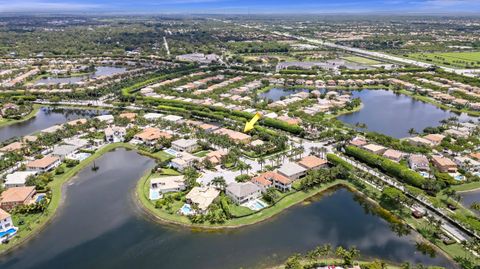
249,125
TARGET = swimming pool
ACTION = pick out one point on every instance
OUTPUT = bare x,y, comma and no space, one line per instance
186,210
255,205
40,197
8,233
459,177
154,195
171,152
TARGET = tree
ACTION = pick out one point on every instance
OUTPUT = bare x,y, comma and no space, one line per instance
412,131
293,262
242,166
219,182
475,206
261,161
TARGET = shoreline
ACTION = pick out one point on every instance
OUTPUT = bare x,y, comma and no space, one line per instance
31,115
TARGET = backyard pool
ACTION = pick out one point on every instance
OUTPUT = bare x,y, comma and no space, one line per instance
256,205
186,210
40,197
171,152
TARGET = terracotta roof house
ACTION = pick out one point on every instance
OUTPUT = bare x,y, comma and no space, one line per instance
358,142
15,146
215,157
419,141
312,162
77,122
16,196
44,164
262,182
435,138
418,162
393,155
150,135
29,138
475,155
443,164
279,181
128,115
234,135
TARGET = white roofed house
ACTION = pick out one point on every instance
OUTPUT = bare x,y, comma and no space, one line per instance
105,118
18,179
183,161
242,192
64,151
187,145
162,185
377,149
202,197
115,134
292,171
418,162
467,163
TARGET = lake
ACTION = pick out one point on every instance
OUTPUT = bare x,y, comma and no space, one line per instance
101,226
46,117
469,197
99,71
276,94
394,114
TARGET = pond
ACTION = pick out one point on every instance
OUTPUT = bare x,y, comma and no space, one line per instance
276,94
46,117
99,71
394,114
101,226
469,197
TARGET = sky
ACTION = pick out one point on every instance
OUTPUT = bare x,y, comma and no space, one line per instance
241,6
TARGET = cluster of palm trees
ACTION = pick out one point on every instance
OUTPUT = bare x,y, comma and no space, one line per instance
324,252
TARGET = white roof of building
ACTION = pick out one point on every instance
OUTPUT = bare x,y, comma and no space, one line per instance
19,177
152,116
290,169
185,143
105,118
203,196
167,183
242,189
172,118
63,150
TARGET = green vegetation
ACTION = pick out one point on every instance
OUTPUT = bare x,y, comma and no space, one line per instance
451,59
361,60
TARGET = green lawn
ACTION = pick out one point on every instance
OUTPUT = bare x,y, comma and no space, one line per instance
33,113
467,186
450,59
361,60
201,153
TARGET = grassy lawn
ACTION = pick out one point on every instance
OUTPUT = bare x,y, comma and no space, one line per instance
467,186
238,210
33,113
361,60
162,155
450,59
201,153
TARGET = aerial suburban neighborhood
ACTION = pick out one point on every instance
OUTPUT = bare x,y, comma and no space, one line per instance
239,141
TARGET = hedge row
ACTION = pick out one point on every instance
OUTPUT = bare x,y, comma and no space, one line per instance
334,159
389,167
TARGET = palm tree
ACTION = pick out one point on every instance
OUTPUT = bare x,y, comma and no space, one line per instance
475,206
261,161
412,131
219,182
248,167
242,166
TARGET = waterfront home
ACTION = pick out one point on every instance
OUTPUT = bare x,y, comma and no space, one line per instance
115,134
128,115
419,141
52,129
15,146
292,170
29,138
242,192
202,197
44,164
444,165
475,155
7,229
77,122
262,182
312,162
215,157
457,133
186,145
376,149
418,162
467,163
358,142
150,135
18,179
162,185
16,196
436,139
393,155
64,151
183,161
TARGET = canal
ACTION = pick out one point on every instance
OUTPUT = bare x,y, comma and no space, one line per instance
100,226
394,114
46,117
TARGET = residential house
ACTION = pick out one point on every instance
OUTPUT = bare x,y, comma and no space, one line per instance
262,182
128,115
105,118
444,165
418,162
467,163
312,162
238,137
183,161
358,142
419,141
64,151
15,146
292,170
242,192
202,197
435,139
150,135
215,157
77,122
152,116
7,229
393,155
173,118
16,196
44,164
162,185
186,145
376,149
18,179
115,134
